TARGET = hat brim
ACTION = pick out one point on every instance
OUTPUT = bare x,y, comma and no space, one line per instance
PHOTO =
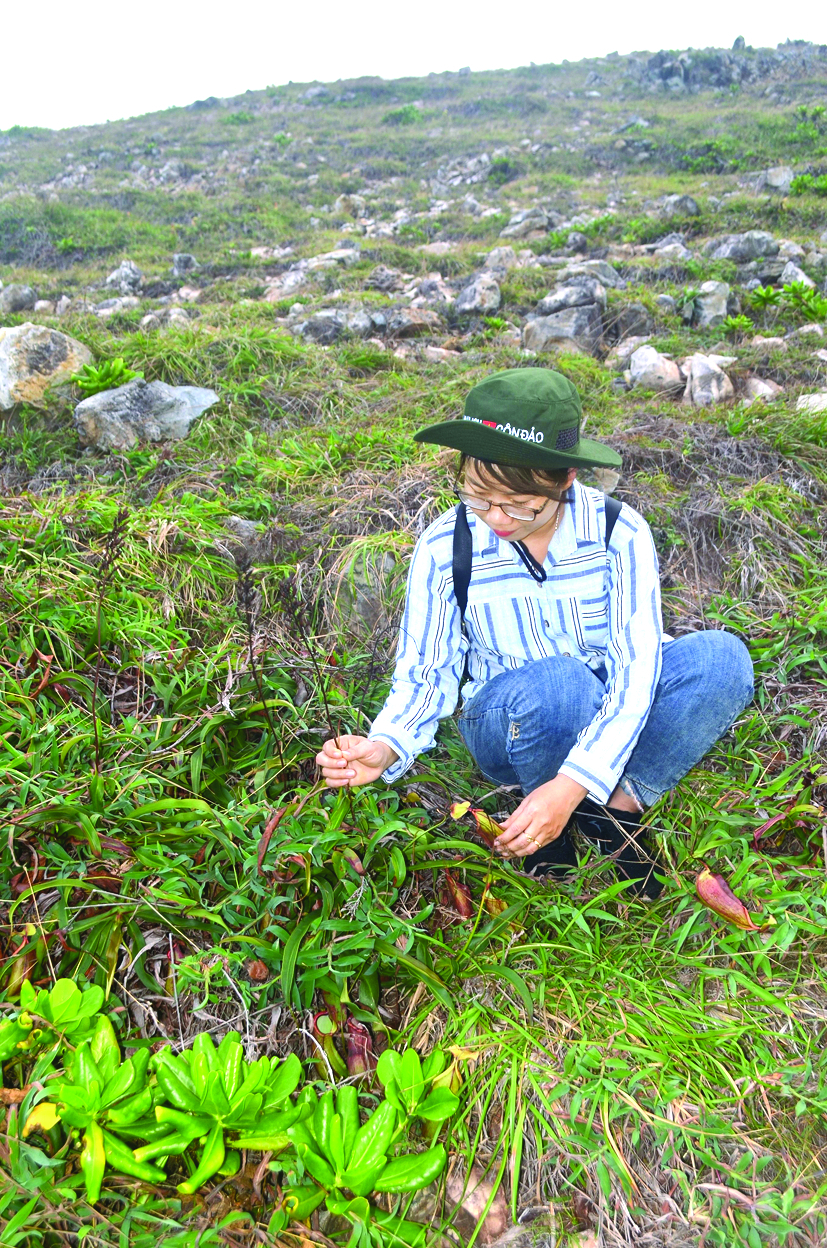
477,440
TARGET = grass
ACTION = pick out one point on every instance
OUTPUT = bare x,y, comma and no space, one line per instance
646,1072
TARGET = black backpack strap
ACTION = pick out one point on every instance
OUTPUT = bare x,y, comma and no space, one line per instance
612,513
461,563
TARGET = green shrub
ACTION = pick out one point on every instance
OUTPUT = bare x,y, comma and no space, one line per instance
404,116
94,378
238,119
810,184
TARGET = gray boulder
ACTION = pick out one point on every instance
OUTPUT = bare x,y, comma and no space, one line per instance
574,294
324,327
711,305
384,279
679,206
742,247
525,222
183,262
666,304
151,411
364,583
579,327
655,371
126,278
672,251
777,180
16,298
412,322
706,382
633,320
601,269
34,357
482,294
501,259
792,273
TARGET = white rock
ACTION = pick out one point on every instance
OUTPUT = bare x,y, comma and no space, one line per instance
711,304
503,258
34,357
805,331
126,278
620,355
601,269
44,307
771,344
480,295
116,420
792,273
706,382
812,402
655,371
789,250
760,388
673,251
62,306
439,355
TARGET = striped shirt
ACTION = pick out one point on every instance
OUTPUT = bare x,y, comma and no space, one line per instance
600,607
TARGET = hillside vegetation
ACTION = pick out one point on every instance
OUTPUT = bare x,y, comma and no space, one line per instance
186,618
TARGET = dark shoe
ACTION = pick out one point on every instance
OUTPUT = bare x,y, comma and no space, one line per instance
557,858
624,843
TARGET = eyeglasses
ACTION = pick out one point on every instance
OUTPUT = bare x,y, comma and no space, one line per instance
514,513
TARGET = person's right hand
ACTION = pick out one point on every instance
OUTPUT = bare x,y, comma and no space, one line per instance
352,761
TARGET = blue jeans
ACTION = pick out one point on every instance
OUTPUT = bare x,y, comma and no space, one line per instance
705,682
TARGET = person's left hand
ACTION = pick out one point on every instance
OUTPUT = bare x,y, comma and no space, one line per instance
540,817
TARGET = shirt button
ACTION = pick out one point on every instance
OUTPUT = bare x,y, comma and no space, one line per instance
566,654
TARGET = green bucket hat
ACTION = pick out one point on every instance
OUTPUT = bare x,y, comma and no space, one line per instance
524,416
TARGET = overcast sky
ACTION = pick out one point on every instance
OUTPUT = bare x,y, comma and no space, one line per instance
65,65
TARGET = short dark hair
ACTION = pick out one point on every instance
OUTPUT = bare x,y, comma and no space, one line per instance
546,482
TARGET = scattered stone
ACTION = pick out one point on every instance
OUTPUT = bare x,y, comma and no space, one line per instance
109,307
34,357
525,222
673,252
706,382
679,206
711,307
742,247
63,305
324,326
579,327
762,389
383,278
188,294
574,294
44,307
805,331
632,320
600,269
346,256
666,304
353,206
439,355
812,402
286,283
770,344
620,354
655,371
150,322
432,289
777,180
411,322
126,278
789,250
152,411
792,273
363,585
16,298
482,294
500,260
182,263
436,249
577,241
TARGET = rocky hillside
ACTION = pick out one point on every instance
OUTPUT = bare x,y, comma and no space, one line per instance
220,327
